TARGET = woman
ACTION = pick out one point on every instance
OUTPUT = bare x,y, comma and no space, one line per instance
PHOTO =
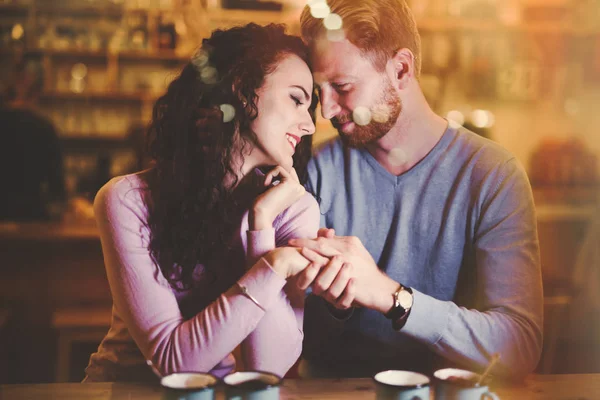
190,244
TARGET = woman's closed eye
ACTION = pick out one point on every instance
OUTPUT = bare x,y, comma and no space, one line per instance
296,100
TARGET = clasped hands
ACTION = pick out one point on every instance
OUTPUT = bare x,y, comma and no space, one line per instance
339,269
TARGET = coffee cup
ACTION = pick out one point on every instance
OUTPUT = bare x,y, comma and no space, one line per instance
460,384
401,385
252,385
189,386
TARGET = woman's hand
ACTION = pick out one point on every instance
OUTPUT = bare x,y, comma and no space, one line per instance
287,261
278,198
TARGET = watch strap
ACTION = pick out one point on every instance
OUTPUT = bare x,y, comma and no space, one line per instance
399,314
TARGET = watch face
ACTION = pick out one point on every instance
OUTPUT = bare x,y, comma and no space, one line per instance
405,299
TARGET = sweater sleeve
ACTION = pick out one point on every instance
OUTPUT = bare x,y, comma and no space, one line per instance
508,318
146,303
276,343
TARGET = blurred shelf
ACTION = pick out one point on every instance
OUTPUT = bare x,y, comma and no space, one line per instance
75,53
494,26
125,55
81,11
13,9
93,142
98,96
155,10
153,55
230,17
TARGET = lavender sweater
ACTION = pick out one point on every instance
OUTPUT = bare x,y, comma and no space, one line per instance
194,330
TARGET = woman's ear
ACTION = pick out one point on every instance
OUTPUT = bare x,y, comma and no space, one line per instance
243,99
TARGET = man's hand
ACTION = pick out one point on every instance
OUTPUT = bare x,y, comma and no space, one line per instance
341,268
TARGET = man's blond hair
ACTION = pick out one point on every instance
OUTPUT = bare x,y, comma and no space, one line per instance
379,28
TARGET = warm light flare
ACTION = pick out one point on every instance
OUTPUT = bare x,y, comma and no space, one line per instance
228,112
361,116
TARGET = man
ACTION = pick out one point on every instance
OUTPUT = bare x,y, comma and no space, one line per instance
434,256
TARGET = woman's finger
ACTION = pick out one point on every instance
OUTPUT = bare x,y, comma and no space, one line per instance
271,174
275,172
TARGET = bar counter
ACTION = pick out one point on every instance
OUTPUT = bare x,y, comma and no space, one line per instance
535,387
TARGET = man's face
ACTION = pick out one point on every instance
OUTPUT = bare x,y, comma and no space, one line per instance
353,92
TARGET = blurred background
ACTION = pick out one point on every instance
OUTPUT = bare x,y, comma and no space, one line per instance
78,80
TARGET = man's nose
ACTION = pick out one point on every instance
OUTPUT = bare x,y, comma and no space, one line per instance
329,104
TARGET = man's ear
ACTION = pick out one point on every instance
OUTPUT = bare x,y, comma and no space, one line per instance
403,67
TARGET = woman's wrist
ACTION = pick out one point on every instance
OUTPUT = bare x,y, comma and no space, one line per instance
278,264
259,220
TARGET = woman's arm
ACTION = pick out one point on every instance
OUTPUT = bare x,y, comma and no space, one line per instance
276,343
145,301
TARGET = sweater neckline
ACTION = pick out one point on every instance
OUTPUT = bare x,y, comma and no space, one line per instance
442,144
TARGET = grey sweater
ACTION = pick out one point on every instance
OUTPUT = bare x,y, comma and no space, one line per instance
459,228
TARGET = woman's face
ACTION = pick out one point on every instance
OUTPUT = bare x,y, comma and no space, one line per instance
283,116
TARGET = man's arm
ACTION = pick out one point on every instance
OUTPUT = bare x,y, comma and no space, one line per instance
508,318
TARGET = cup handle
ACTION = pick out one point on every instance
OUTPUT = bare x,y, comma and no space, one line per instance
489,396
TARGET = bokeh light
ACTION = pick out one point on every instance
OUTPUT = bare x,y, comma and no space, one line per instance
200,59
228,112
482,118
381,113
361,116
453,124
332,22
209,75
456,116
17,32
397,156
320,10
79,71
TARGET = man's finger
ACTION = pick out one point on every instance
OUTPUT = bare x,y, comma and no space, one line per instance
321,246
345,301
328,273
307,276
313,256
339,284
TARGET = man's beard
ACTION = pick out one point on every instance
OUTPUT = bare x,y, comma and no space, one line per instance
383,117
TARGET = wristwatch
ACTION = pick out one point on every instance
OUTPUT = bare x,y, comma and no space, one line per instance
403,301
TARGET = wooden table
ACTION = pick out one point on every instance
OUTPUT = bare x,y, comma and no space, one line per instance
536,387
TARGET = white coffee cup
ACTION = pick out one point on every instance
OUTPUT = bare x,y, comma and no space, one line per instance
401,385
460,384
252,385
189,386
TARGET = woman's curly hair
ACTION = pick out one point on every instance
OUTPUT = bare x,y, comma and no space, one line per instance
192,211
